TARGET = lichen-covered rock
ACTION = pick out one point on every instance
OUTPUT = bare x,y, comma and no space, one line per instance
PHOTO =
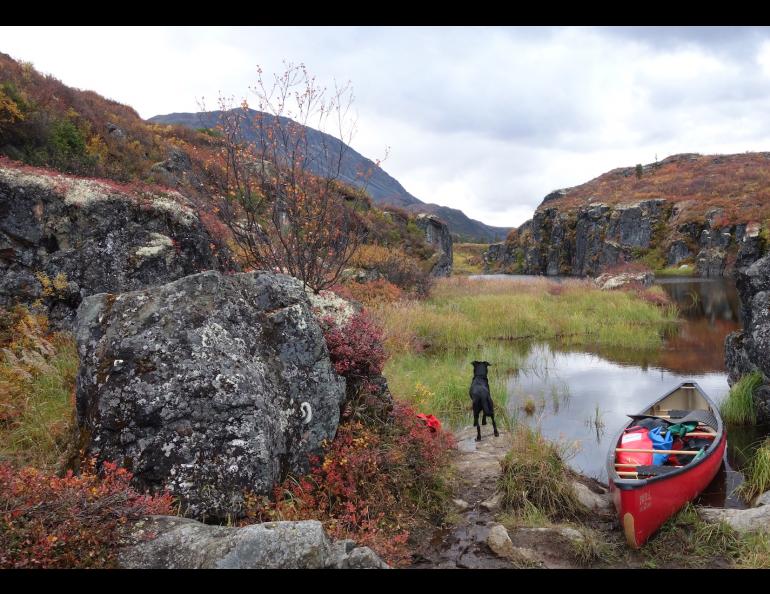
169,542
209,386
608,281
64,238
437,234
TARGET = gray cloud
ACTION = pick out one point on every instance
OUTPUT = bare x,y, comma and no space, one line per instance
488,120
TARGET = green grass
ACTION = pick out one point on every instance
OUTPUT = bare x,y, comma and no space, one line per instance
756,473
36,435
441,382
535,481
43,408
738,408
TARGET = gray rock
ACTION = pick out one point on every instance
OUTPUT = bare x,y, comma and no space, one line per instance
493,503
742,520
169,542
761,500
677,252
208,386
461,504
500,542
607,282
437,234
94,237
592,501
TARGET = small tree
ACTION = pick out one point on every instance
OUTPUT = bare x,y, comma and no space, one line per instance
283,197
639,171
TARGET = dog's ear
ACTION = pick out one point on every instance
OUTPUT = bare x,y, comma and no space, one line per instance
474,363
488,363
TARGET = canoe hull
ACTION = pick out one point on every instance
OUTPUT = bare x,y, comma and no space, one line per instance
644,505
642,511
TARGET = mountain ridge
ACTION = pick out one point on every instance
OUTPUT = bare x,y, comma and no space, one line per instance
382,187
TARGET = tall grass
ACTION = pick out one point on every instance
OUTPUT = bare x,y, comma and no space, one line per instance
756,473
535,477
738,408
37,380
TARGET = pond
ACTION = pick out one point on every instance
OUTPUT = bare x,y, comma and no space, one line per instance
583,397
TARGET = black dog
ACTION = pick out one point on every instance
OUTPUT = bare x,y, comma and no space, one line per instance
482,399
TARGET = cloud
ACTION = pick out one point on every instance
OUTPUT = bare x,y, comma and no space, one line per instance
488,120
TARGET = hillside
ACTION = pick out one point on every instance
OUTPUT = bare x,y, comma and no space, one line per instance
687,210
383,188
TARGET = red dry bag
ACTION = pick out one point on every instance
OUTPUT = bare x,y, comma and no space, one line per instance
635,438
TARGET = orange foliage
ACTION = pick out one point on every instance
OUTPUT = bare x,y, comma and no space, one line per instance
738,184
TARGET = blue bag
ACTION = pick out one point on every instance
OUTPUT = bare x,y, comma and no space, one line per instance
660,442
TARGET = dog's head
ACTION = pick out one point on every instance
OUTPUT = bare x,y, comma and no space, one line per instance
480,367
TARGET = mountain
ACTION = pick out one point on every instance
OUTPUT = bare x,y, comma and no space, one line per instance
688,212
383,188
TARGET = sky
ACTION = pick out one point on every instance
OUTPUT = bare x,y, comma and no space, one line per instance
488,120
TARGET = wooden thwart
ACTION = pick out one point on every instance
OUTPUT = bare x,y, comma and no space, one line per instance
635,451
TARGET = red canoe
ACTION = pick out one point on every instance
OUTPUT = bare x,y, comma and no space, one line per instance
646,496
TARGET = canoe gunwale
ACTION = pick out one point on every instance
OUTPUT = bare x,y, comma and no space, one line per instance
631,484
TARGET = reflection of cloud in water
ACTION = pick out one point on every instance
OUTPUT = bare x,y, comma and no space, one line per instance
618,390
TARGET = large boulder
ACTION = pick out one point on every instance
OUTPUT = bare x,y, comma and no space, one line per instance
64,238
169,542
210,386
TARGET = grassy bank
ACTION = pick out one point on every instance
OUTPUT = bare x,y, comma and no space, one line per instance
432,342
684,270
468,258
738,408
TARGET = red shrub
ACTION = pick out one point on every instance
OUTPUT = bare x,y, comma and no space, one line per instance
356,348
74,521
372,485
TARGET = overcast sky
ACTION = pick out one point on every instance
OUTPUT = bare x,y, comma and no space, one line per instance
488,120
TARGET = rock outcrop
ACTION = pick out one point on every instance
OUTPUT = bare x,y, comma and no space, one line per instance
63,238
209,386
748,350
585,240
437,234
170,542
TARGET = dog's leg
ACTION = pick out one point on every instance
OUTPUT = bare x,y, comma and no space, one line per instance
494,425
476,412
483,418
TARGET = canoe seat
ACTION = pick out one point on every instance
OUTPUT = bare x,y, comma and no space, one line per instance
654,470
702,416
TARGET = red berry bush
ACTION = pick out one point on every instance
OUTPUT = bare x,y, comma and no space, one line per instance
74,521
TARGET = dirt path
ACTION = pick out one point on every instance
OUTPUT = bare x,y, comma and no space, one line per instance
463,543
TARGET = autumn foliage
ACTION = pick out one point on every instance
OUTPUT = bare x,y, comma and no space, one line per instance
74,521
738,184
375,483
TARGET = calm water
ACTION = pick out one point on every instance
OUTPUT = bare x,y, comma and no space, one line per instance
583,397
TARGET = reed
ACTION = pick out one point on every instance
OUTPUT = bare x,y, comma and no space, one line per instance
738,408
756,474
535,475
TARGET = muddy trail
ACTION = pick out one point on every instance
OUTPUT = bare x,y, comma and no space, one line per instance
475,539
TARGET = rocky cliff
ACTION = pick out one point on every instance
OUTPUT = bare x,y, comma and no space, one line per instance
64,238
687,209
748,350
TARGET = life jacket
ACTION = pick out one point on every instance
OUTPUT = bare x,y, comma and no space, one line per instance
635,438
